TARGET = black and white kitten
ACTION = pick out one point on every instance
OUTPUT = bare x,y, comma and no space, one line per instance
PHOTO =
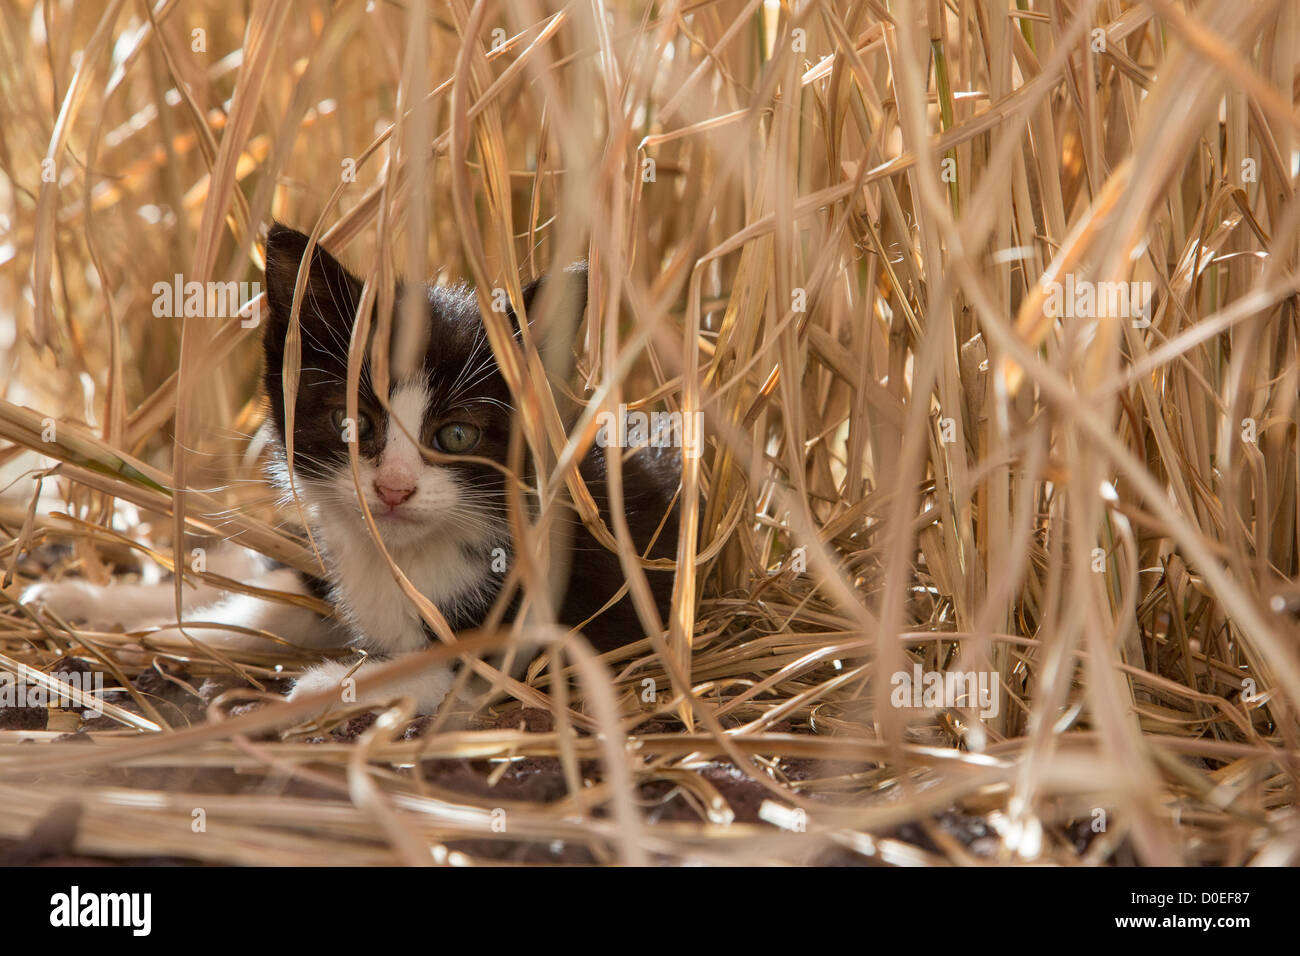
445,524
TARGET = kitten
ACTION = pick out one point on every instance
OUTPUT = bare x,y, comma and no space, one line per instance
445,524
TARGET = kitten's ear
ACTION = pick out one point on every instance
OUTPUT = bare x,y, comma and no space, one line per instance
571,287
329,301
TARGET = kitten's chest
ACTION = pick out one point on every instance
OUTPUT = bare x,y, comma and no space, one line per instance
459,584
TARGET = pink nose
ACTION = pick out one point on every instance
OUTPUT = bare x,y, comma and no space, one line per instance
393,496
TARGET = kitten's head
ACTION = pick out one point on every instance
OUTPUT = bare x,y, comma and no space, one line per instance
454,402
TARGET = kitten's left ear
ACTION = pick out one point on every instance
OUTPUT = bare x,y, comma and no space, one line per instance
329,299
571,287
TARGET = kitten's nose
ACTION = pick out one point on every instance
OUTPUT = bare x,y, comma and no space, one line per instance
393,496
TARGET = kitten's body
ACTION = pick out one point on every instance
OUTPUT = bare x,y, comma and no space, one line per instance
444,522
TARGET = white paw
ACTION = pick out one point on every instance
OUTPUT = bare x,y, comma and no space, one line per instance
427,688
77,602
329,676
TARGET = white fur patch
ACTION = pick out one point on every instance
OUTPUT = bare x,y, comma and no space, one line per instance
140,606
240,613
371,600
401,463
427,688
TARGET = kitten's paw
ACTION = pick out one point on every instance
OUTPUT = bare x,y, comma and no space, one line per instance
77,602
427,688
328,676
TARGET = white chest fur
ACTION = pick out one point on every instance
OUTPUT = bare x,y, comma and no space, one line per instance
371,600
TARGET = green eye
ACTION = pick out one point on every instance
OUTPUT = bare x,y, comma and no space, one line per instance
457,438
365,427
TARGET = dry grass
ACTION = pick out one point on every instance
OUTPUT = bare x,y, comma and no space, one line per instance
839,259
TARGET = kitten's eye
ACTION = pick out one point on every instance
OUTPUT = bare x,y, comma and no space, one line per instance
457,438
364,426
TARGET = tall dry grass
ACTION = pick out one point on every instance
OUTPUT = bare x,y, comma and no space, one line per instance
827,226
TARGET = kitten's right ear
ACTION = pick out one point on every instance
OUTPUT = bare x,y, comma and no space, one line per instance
570,291
329,301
